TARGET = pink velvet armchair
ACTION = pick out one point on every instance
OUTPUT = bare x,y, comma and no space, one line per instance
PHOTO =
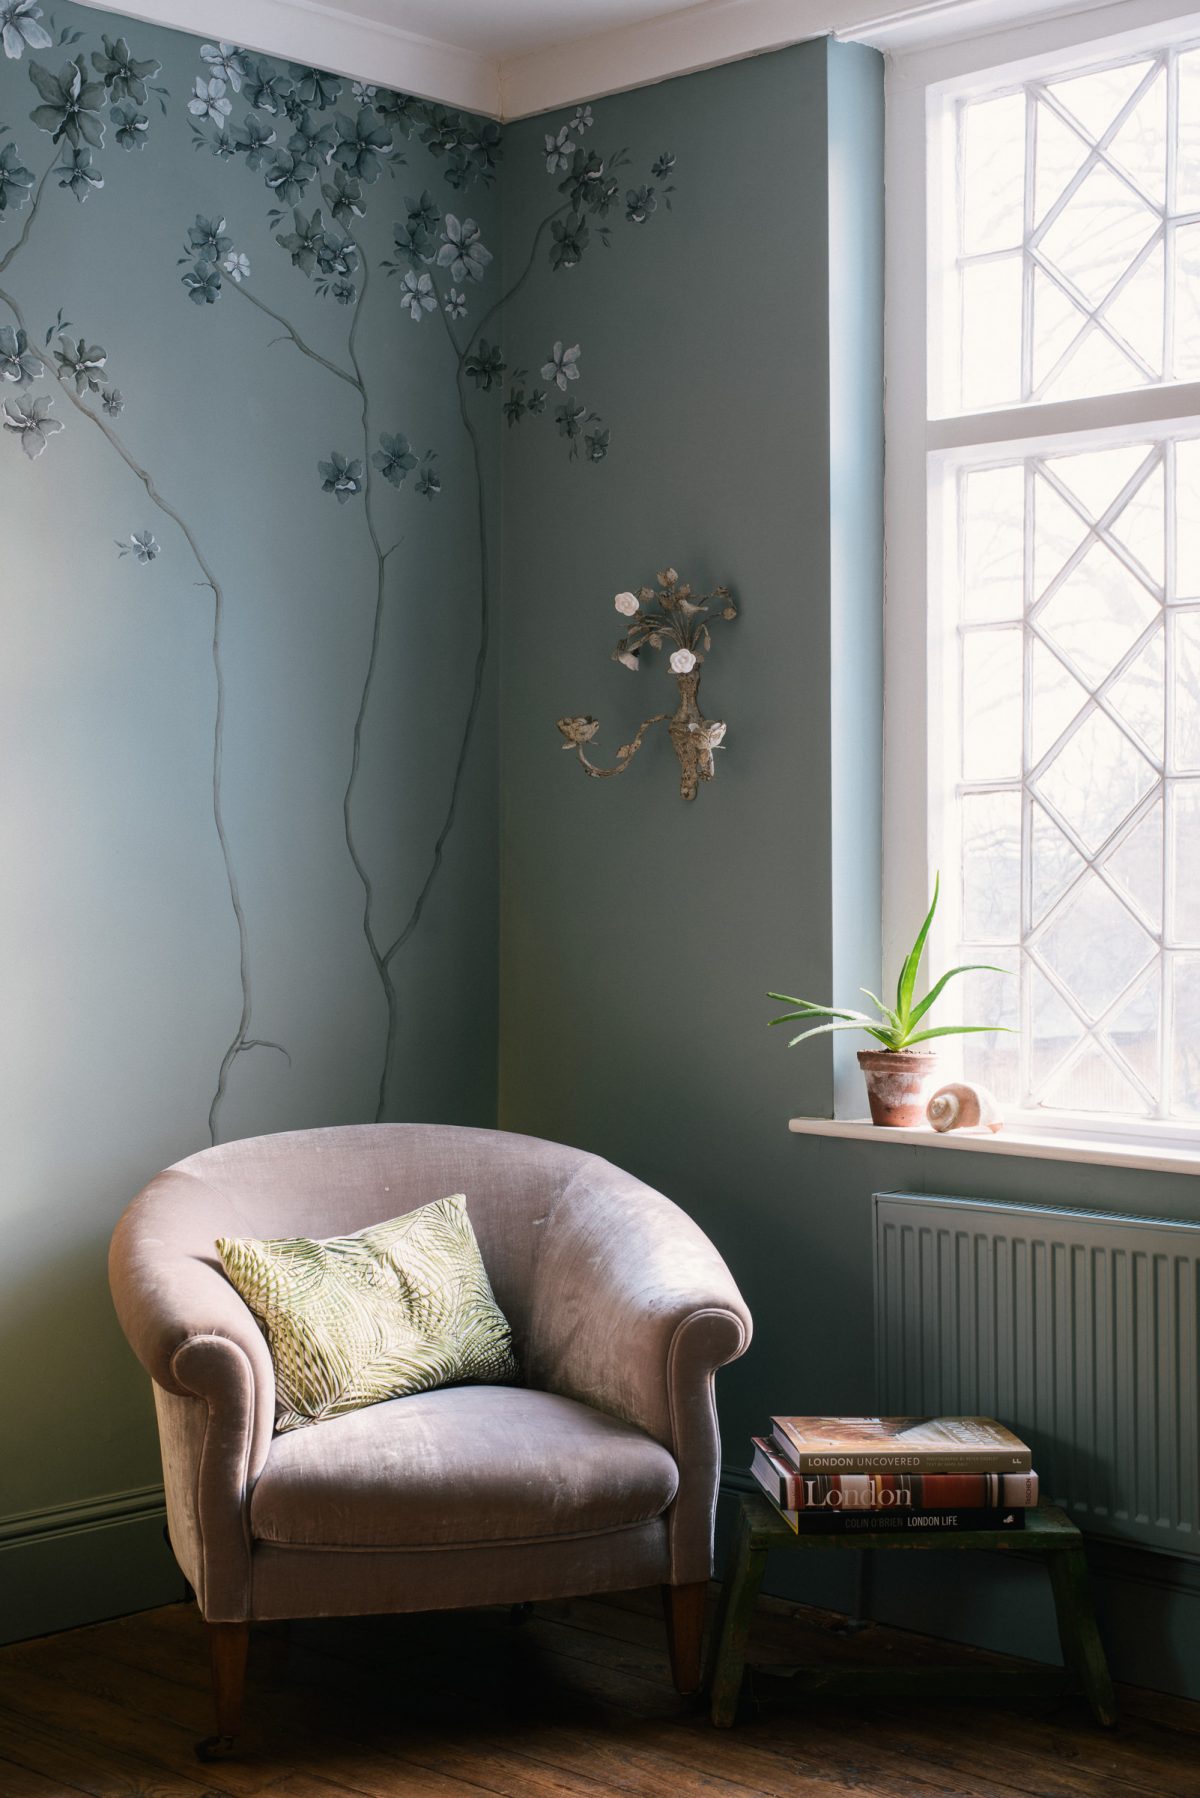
599,1473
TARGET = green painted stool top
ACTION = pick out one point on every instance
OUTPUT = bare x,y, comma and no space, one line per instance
1047,1531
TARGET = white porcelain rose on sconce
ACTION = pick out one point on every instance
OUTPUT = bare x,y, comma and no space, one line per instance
668,614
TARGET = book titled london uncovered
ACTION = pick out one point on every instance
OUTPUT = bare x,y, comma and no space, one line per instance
900,1445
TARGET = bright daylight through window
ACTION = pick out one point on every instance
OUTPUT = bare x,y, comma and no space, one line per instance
1069,572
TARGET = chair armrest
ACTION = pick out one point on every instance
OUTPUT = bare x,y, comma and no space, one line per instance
201,1346
169,1289
633,1312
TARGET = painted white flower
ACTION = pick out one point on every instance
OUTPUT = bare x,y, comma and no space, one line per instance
563,366
682,662
30,419
236,266
208,100
417,295
226,62
19,26
140,544
627,659
626,604
364,93
559,150
582,120
463,252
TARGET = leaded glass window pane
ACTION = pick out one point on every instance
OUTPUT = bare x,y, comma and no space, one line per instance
1078,252
1078,779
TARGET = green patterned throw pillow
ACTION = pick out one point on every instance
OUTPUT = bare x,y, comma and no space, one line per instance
397,1308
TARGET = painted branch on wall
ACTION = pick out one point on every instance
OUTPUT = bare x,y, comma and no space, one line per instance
440,258
323,149
355,149
70,110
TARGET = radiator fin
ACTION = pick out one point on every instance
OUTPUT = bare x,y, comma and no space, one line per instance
1077,1329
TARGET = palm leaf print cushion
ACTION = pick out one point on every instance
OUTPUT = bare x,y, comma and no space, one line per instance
397,1308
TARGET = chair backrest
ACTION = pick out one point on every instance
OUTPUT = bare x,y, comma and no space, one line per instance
334,1181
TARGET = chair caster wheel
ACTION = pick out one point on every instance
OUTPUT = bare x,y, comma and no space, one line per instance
215,1748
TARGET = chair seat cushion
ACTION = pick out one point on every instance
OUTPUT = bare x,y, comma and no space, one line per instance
461,1465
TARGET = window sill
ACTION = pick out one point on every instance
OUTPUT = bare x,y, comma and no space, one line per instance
1056,1146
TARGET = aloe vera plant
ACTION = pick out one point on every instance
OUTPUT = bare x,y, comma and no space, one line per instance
897,1028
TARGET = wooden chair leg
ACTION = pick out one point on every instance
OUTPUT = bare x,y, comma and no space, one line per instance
1083,1651
683,1608
227,1645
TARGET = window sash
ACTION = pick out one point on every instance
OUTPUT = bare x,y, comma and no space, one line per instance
923,94
1164,772
948,375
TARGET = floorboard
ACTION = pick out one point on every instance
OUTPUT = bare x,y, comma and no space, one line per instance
574,1703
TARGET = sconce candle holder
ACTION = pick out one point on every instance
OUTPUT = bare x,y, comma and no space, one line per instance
669,615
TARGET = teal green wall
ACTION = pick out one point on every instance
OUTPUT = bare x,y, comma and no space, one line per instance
726,418
641,934
124,984
736,354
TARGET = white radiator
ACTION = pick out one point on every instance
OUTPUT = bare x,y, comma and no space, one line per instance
1078,1329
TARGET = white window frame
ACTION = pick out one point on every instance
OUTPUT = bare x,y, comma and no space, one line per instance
922,89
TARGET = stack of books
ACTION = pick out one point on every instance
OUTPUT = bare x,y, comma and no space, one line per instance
841,1475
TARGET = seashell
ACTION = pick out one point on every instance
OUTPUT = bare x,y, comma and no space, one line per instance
961,1106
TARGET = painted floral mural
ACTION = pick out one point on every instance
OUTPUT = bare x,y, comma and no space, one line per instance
297,161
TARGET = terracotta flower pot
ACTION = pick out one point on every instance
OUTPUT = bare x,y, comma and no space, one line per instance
897,1084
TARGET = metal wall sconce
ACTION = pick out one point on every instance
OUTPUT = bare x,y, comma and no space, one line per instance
669,616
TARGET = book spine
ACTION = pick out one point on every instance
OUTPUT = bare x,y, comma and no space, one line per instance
985,1458
890,1491
854,1523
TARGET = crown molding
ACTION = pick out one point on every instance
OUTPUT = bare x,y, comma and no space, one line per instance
679,42
676,43
325,37
721,31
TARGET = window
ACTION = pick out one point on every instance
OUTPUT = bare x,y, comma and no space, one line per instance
1078,222
1045,555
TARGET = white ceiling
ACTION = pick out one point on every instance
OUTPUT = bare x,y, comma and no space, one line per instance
511,58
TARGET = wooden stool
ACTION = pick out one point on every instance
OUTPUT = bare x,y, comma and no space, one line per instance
1047,1533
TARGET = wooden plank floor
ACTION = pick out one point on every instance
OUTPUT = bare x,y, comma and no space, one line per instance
574,1703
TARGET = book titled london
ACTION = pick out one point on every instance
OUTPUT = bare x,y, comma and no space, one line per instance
901,1445
892,1491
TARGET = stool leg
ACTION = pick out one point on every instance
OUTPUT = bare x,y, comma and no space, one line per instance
864,1596
1083,1651
739,1595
